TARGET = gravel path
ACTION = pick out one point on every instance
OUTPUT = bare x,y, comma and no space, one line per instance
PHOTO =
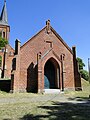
40,98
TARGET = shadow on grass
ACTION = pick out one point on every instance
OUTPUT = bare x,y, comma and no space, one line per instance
83,99
78,110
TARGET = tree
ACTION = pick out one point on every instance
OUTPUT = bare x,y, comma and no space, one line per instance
80,62
84,73
3,42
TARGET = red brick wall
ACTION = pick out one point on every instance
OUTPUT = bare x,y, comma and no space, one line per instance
6,57
7,61
77,76
5,29
28,59
2,55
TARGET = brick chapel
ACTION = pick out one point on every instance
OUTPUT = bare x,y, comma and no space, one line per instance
43,62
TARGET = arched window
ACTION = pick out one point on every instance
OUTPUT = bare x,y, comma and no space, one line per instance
3,34
0,61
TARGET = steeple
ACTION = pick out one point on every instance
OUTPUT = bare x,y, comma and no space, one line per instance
3,17
4,27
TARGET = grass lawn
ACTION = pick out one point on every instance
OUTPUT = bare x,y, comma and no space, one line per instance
71,105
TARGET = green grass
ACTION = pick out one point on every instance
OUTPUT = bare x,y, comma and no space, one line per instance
84,93
71,105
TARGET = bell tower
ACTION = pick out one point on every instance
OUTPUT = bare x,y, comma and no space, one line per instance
4,27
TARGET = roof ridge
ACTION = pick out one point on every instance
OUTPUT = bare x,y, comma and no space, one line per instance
33,37
60,38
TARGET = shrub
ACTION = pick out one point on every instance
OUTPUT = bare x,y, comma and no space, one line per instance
84,74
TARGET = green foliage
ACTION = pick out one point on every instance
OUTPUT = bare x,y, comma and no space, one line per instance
0,58
84,74
3,42
80,62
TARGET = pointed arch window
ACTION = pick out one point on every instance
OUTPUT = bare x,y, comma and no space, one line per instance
2,34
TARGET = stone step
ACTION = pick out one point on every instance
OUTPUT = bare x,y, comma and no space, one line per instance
51,91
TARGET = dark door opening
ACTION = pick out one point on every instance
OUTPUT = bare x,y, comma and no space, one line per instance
5,85
49,75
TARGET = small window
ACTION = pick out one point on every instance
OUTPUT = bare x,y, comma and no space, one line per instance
3,50
14,64
49,44
3,34
0,61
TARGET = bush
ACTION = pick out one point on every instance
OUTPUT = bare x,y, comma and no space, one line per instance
80,63
84,74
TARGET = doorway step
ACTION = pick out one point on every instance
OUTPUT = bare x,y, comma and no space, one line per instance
51,91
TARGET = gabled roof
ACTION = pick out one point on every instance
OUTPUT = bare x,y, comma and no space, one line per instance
3,16
32,37
11,47
57,35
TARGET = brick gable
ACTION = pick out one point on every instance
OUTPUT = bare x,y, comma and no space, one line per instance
34,55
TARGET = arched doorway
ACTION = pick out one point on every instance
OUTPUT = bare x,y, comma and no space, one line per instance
51,75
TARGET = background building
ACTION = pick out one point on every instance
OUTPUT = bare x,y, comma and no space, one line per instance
6,53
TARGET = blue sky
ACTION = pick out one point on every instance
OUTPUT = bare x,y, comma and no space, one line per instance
70,18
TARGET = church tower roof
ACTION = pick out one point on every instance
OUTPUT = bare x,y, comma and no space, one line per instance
3,16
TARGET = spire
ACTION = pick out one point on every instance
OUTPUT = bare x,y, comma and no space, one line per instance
3,17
